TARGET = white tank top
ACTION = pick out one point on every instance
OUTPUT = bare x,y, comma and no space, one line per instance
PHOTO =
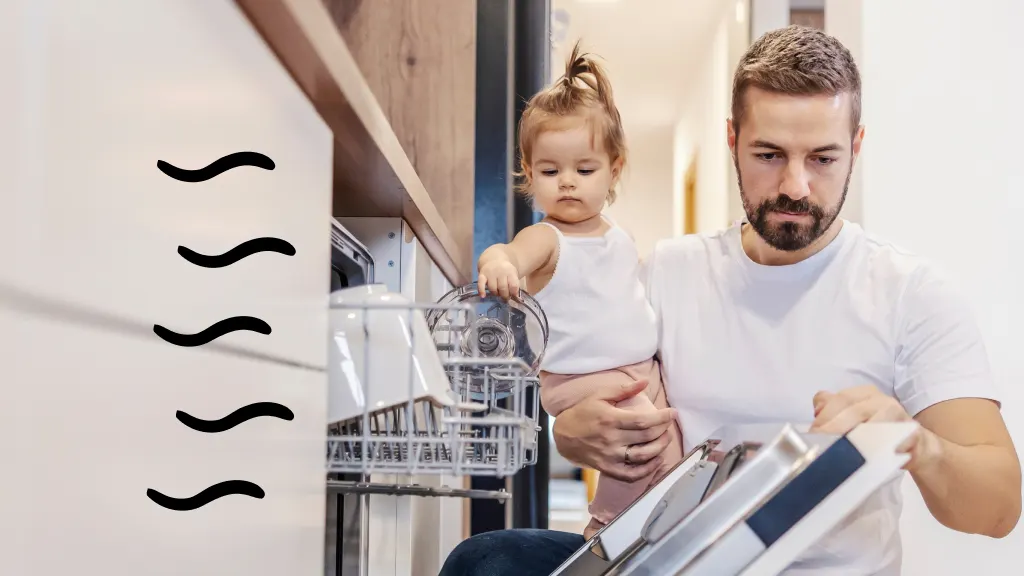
597,309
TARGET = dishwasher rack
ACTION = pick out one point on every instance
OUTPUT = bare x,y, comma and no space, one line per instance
381,461
490,429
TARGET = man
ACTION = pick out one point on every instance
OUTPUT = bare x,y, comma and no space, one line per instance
799,316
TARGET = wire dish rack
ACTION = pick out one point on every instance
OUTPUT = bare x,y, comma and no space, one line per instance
489,429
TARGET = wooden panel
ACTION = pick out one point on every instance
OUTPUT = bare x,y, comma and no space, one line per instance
814,18
690,195
419,59
373,175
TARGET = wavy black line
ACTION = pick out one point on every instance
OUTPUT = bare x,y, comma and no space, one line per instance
243,250
243,414
210,334
208,495
217,167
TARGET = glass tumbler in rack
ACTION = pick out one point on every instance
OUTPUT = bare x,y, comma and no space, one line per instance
511,331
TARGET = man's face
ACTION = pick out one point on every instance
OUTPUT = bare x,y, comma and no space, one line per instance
794,156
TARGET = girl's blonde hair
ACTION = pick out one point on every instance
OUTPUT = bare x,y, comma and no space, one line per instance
584,90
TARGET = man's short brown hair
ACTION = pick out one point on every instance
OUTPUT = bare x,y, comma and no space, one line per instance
798,61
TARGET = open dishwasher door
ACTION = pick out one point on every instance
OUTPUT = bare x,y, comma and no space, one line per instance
750,501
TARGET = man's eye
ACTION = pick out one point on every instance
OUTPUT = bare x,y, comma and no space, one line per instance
767,156
824,160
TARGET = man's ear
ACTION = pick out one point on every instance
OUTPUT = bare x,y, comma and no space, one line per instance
731,136
858,139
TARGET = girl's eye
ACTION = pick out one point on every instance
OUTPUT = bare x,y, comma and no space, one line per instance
549,172
586,171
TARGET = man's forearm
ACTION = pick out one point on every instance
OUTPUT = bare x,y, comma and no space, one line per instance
973,489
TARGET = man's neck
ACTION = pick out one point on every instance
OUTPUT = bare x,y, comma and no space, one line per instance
760,252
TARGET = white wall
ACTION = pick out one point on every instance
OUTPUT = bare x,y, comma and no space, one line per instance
940,178
645,195
767,15
738,28
843,19
702,129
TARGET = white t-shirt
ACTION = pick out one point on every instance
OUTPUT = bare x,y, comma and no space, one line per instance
745,343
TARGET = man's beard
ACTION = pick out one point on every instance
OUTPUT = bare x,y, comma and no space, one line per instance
790,236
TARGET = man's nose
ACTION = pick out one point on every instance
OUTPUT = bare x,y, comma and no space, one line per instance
794,181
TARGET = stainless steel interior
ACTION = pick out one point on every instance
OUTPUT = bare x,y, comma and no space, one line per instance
739,470
351,265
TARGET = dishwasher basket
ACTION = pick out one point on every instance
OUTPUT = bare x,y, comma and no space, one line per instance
489,429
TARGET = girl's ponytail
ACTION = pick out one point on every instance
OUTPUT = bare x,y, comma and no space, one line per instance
582,68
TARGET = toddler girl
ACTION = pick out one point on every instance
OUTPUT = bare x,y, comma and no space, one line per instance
580,266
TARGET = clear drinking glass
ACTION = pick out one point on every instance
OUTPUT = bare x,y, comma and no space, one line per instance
497,329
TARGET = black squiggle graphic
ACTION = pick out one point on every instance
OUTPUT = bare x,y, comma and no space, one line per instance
243,250
212,493
210,334
217,167
243,414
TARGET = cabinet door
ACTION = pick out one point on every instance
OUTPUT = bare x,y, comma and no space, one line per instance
103,90
95,412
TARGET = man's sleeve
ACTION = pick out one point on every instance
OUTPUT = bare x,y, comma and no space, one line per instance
647,278
940,354
645,272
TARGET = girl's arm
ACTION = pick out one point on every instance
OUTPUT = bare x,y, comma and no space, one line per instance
503,265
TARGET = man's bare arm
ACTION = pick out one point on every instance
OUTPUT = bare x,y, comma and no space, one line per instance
973,483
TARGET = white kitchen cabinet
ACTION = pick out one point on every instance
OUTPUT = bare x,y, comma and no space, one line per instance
95,411
97,93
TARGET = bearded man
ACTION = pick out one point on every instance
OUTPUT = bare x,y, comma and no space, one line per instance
799,316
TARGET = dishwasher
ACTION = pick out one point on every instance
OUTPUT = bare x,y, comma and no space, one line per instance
417,385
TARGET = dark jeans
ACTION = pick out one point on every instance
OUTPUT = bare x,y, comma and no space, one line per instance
523,552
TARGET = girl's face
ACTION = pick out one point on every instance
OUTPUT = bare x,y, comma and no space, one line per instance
571,174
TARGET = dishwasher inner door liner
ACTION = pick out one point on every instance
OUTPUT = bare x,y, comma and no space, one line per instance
748,501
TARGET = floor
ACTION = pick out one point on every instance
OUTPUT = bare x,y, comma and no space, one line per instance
567,505
567,499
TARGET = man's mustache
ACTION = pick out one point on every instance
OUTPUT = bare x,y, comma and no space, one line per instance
787,204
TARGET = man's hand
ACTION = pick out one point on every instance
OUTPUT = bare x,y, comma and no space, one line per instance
839,413
962,457
595,433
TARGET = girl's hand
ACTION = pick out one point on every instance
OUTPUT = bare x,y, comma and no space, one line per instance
501,278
